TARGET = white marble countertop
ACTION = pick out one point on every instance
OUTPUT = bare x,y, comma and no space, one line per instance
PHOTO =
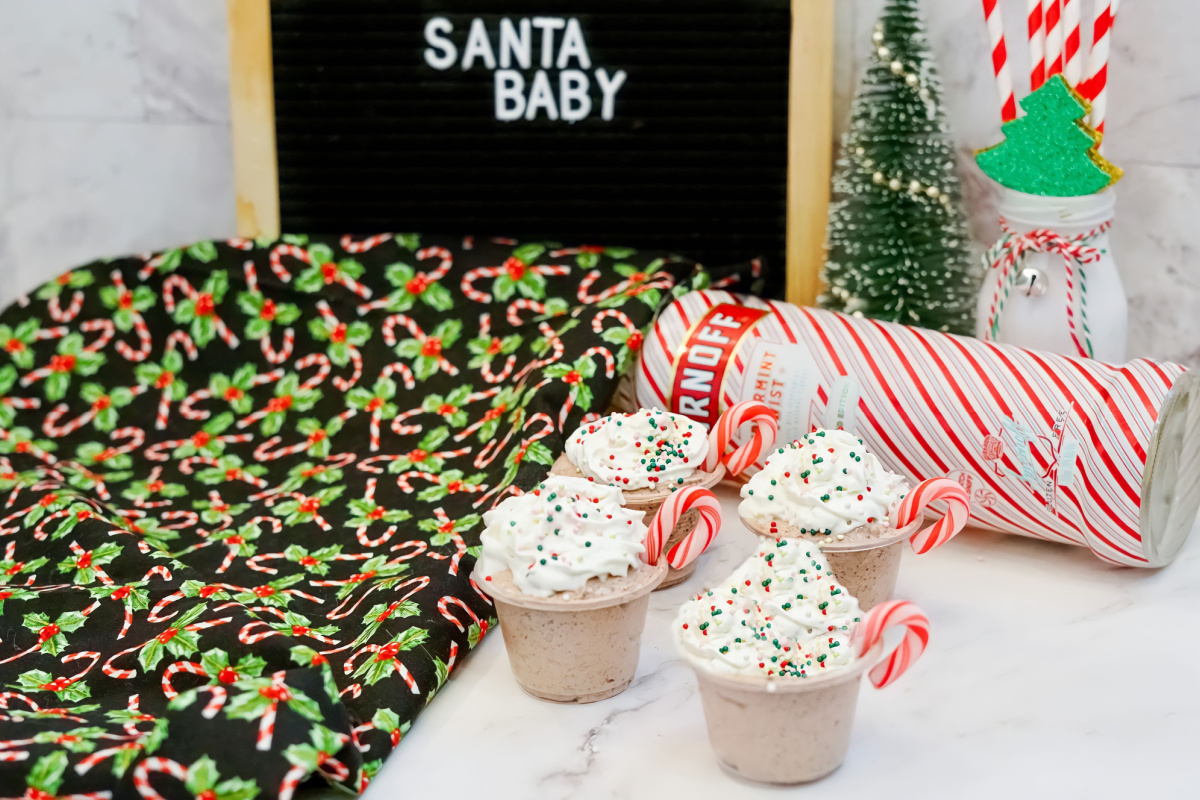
1048,674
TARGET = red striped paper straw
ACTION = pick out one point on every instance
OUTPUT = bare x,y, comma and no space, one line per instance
1051,19
1095,88
1037,45
1072,57
1004,86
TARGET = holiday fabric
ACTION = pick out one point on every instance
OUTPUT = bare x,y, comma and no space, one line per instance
241,493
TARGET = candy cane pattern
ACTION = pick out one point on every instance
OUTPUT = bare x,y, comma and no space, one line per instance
444,608
661,280
931,405
389,337
722,435
668,516
60,314
871,629
276,260
141,775
913,506
383,650
350,246
446,525
342,384
178,282
467,285
189,667
513,313
485,330
289,334
423,279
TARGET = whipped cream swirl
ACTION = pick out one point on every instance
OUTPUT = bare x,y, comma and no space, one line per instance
780,614
825,484
559,535
651,449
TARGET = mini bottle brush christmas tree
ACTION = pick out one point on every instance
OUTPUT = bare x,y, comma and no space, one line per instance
898,238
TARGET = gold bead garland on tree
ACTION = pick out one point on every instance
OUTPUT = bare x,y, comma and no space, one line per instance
897,183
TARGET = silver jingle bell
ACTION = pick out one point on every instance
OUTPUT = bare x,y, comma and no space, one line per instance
1032,282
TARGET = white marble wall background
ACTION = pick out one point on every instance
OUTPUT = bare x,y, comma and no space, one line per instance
114,137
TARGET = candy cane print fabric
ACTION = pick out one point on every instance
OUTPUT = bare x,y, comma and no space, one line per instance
241,488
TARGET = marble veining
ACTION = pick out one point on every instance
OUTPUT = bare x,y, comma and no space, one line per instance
114,137
1043,663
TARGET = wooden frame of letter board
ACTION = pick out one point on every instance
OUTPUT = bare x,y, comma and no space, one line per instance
810,133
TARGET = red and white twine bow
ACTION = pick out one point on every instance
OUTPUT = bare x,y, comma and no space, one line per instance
1007,255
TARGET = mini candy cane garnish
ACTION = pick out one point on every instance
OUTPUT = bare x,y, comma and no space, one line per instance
878,620
668,516
721,435
915,503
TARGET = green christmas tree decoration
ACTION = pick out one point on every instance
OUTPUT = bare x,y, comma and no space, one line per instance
897,240
1050,151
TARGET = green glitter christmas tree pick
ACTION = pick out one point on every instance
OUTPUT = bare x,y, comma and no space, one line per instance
1050,151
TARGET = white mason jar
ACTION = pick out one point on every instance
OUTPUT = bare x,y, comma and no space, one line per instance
1041,321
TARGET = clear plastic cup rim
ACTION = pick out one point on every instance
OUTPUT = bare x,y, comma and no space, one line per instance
834,546
518,598
783,685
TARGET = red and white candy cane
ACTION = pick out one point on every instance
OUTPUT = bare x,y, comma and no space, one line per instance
389,337
450,600
189,667
276,260
350,246
871,629
721,436
289,334
668,516
141,775
913,506
59,314
513,313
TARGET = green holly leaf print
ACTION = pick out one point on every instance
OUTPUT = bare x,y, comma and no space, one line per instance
204,252
16,341
270,594
52,634
64,690
315,561
381,665
234,390
47,774
69,280
127,306
262,312
476,632
85,565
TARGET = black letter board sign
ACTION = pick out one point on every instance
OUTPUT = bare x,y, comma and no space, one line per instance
652,123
